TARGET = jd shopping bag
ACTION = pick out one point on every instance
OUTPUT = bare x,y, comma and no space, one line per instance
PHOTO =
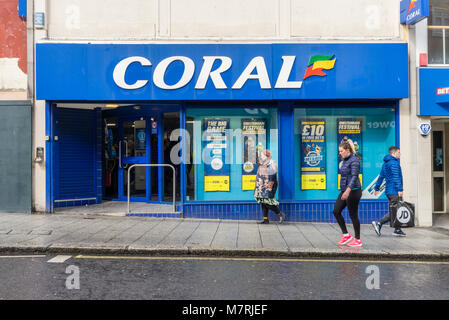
402,214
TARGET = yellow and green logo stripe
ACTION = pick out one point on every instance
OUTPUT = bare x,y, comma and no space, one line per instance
319,62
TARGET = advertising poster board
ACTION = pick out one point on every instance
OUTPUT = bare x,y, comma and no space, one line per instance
215,155
350,129
254,137
313,154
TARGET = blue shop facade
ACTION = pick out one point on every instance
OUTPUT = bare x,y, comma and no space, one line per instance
205,110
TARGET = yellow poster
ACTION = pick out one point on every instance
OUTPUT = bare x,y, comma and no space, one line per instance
216,183
248,182
313,182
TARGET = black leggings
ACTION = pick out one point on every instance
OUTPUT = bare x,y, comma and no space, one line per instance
353,207
266,207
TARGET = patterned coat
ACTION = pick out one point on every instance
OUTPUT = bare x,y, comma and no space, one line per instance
266,181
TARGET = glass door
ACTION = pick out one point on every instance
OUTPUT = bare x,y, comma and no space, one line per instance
134,148
439,204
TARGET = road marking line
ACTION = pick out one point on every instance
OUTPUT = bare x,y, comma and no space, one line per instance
260,259
27,256
59,259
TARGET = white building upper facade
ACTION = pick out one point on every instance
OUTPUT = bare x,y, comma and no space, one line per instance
219,20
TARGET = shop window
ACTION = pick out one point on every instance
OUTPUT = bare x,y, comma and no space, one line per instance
319,131
224,145
438,32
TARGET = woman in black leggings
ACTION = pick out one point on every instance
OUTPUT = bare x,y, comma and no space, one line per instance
350,194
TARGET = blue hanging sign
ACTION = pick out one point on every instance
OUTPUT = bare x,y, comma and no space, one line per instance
413,11
22,8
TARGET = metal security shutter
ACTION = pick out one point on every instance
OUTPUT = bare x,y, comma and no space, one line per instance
15,156
75,152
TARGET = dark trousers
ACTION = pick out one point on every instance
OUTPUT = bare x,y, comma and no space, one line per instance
266,207
392,198
353,207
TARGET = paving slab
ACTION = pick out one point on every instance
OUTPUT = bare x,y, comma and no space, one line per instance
271,236
316,238
293,237
249,235
154,236
180,234
203,235
226,235
84,231
135,232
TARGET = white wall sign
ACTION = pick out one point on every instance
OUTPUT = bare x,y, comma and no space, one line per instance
424,128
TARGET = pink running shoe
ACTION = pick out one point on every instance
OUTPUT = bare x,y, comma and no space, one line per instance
355,243
344,239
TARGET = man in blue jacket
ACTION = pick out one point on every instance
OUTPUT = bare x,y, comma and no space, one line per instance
392,173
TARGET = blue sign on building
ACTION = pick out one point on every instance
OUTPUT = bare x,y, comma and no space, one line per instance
413,11
22,7
433,92
144,72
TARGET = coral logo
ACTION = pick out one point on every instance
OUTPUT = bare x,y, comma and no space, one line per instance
413,11
317,63
412,5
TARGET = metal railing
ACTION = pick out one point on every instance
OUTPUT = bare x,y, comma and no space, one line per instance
153,165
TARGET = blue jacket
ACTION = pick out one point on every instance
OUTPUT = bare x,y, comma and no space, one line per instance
392,173
350,169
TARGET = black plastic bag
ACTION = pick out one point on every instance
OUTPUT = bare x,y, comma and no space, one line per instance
402,214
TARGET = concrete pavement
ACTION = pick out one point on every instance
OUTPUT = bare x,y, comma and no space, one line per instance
100,234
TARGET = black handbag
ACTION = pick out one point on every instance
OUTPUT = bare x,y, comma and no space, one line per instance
402,214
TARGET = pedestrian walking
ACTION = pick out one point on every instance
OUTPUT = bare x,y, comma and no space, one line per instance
266,186
350,193
392,173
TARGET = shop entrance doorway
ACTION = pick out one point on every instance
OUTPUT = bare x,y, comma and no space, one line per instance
128,141
145,138
95,145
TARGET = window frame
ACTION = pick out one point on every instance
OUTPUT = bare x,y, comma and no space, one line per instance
445,30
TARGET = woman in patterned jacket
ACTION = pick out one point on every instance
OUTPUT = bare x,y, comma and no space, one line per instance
266,186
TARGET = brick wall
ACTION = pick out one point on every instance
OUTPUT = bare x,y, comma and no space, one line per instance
13,47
